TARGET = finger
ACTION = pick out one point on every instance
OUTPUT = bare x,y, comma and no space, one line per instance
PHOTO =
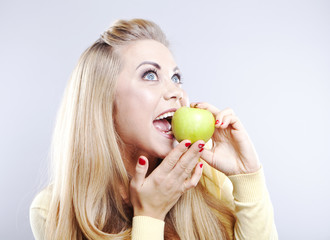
140,172
215,111
231,120
219,118
173,157
193,181
188,161
206,106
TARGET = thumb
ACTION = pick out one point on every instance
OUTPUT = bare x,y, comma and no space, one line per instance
140,171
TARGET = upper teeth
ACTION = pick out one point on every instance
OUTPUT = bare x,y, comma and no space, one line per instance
165,115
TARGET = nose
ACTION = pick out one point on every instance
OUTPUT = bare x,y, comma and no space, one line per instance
173,91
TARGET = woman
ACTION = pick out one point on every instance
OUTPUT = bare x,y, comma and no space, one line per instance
117,173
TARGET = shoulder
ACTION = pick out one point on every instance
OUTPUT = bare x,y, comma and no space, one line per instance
39,210
42,200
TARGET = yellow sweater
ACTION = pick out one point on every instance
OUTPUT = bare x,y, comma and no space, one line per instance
247,192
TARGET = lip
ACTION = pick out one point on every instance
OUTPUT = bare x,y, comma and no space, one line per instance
169,136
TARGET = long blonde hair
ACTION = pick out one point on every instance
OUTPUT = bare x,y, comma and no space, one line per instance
87,163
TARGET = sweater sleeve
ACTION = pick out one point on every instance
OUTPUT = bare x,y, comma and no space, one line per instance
253,208
147,228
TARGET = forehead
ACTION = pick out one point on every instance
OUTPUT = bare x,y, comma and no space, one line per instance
146,50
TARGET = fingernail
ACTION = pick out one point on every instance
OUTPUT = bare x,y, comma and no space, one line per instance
142,161
221,123
201,145
201,165
187,144
201,149
216,122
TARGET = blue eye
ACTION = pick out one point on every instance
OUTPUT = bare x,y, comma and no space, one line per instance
176,78
150,75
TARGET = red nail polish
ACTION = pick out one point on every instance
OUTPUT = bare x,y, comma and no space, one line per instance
201,145
201,165
201,149
221,123
216,122
142,161
187,144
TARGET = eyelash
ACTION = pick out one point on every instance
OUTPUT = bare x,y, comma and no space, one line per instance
155,71
151,70
178,75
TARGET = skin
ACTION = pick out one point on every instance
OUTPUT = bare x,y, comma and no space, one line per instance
156,187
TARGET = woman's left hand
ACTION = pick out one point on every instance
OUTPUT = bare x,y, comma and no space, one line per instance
232,152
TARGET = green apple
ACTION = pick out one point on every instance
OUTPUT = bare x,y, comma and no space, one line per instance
193,124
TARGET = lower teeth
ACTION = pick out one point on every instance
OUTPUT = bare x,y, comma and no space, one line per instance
168,132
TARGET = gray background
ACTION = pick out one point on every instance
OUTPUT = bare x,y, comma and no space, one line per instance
268,60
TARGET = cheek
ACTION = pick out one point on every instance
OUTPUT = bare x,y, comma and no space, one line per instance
138,102
185,99
134,111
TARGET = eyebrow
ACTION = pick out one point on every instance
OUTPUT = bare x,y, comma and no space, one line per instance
156,65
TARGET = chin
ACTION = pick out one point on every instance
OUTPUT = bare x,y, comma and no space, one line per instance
162,153
162,145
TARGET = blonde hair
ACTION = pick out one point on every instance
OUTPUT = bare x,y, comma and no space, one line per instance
87,163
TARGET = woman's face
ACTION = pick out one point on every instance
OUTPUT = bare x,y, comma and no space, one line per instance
148,86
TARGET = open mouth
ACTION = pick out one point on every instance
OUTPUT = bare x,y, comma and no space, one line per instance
163,123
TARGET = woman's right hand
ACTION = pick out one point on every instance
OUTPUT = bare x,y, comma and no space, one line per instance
155,195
